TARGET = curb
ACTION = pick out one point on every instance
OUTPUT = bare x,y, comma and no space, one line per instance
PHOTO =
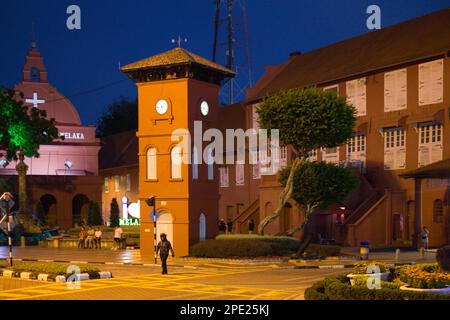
43,277
349,266
99,262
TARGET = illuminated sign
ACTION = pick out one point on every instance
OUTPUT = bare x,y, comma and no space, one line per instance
72,135
129,222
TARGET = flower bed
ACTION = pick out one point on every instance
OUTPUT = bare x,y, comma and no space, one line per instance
424,277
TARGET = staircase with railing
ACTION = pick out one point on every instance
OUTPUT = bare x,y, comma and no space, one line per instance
251,212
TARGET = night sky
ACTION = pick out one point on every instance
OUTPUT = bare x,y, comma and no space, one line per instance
126,31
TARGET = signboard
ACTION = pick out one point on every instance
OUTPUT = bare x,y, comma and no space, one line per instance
73,135
129,222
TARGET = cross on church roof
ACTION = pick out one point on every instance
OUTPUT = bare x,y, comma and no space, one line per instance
35,101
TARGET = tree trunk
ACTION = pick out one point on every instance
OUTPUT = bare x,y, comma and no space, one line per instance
307,237
284,197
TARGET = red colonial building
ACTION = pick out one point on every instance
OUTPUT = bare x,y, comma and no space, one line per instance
65,176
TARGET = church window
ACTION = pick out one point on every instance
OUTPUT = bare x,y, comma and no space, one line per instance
438,211
116,183
106,185
210,165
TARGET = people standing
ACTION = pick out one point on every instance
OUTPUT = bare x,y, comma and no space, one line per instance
222,226
90,238
425,237
82,238
163,248
229,226
251,226
98,238
117,237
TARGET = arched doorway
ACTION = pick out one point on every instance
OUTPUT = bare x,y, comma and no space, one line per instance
164,224
80,208
202,227
286,218
48,202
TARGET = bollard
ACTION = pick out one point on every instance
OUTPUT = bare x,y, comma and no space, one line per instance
422,252
397,254
22,242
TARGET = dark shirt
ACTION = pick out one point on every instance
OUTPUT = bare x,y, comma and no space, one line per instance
164,247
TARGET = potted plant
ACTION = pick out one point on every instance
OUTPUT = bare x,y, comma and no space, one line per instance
364,270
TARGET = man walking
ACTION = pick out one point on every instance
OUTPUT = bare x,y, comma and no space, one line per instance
164,246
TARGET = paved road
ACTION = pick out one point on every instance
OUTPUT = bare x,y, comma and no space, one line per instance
146,283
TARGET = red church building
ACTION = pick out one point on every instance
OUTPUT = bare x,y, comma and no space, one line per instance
65,176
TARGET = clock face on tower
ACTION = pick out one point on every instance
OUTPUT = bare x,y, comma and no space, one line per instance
204,108
162,106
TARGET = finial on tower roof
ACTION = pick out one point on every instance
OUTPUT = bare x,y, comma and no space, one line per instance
33,36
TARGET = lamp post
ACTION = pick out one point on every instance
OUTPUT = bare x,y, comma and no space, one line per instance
151,202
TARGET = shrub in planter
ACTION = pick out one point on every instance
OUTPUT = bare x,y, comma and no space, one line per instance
230,249
363,267
339,288
443,258
52,269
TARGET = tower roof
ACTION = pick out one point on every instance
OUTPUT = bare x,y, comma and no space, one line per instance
176,57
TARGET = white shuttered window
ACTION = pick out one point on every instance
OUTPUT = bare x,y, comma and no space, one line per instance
356,95
431,82
395,90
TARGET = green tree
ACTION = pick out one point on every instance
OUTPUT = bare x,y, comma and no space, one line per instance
307,119
121,116
40,213
22,131
94,215
114,213
317,185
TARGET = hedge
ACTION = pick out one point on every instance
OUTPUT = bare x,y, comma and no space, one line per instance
230,249
287,243
51,269
339,288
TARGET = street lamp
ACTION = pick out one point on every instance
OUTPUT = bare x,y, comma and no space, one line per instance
151,202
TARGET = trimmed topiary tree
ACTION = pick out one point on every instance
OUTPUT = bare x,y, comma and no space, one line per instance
114,213
307,119
94,216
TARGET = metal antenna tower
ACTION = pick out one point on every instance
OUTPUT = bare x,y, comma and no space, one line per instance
231,47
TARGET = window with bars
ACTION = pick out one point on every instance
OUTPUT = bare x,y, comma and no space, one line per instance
394,149
430,143
330,155
356,148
